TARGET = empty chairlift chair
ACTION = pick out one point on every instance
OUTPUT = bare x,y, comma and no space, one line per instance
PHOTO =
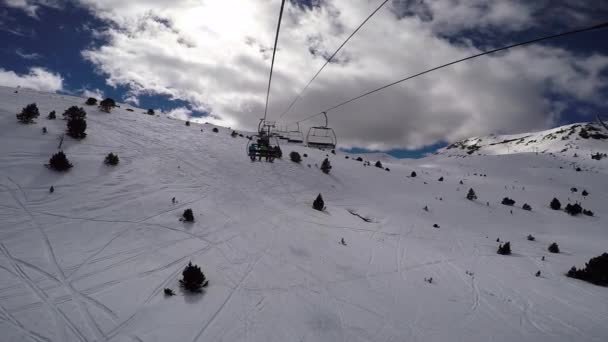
321,136
295,136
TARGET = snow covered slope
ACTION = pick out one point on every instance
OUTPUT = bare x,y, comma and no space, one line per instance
566,140
89,261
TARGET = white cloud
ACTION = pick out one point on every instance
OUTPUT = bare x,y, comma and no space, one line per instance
29,56
37,79
132,99
94,93
31,7
216,55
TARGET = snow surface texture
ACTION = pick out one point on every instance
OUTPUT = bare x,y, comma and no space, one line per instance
89,261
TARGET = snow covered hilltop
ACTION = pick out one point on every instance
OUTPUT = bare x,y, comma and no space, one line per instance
392,258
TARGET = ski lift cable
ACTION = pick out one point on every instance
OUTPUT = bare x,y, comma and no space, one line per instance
274,50
567,33
299,96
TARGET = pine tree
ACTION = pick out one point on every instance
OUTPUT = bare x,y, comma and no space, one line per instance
187,123
326,166
169,292
74,112
508,201
52,115
471,196
59,162
595,271
378,164
555,205
215,130
77,127
188,215
553,248
318,204
527,207
91,101
585,193
295,157
107,104
440,179
28,114
111,159
150,111
193,278
504,249
413,174
531,237
573,209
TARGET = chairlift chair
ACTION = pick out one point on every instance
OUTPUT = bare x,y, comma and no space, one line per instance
265,144
321,136
295,136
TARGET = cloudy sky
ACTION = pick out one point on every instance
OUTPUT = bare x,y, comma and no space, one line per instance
210,59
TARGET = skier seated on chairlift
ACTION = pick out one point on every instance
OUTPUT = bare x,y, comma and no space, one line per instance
252,151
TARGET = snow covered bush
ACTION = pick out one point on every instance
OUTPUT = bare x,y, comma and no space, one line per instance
595,271
574,209
527,207
52,115
59,162
193,278
471,196
28,114
295,157
91,101
555,204
107,104
111,159
553,248
326,166
318,204
508,201
378,164
504,249
188,215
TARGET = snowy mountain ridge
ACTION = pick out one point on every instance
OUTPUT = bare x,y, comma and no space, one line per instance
580,138
393,256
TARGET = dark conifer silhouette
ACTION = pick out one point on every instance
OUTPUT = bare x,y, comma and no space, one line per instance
318,204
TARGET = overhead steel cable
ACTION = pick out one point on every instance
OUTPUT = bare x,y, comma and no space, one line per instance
591,28
274,50
299,96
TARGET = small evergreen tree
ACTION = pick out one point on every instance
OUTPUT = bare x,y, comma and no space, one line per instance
504,249
508,201
150,111
471,196
188,215
440,179
187,123
595,271
52,115
553,248
74,112
111,159
234,134
555,205
527,207
573,209
52,189
215,130
107,104
77,128
28,114
193,278
44,130
59,162
378,164
413,174
295,157
318,204
169,292
326,166
587,212
359,159
585,193
531,237
91,101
